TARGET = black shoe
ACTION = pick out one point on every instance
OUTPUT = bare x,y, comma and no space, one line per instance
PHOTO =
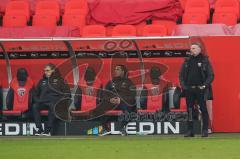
39,132
189,134
205,133
47,132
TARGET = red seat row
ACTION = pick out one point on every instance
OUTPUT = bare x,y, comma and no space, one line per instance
47,13
87,31
101,31
198,12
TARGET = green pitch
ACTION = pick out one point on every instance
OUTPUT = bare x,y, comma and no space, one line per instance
218,146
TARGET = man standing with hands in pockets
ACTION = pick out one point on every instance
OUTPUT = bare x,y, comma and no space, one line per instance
196,76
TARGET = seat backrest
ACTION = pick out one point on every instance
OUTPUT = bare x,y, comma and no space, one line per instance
74,20
229,19
169,24
49,8
198,6
124,30
5,32
227,6
14,21
18,8
45,21
66,31
194,18
36,31
154,102
21,94
154,30
94,31
89,94
79,7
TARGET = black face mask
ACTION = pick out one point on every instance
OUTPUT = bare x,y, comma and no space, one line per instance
22,74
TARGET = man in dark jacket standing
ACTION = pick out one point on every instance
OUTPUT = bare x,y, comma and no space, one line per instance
196,76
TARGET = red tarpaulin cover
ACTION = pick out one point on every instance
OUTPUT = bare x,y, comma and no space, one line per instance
132,12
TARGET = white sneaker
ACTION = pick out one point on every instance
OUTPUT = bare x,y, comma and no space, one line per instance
106,133
39,133
46,134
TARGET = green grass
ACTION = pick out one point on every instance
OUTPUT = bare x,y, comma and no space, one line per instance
218,146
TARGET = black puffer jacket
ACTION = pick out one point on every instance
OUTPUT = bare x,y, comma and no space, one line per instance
52,89
124,89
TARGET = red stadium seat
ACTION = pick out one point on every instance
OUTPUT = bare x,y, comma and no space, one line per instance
21,95
194,18
169,24
48,8
74,20
201,30
154,102
154,30
94,31
45,21
79,7
13,32
198,6
14,21
183,106
88,100
124,30
225,18
44,112
227,6
109,30
140,27
67,31
34,31
5,32
18,8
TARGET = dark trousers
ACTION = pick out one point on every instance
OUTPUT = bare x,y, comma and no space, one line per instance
126,109
37,107
196,96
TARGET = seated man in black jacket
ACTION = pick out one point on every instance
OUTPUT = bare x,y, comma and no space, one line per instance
119,94
49,91
123,92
